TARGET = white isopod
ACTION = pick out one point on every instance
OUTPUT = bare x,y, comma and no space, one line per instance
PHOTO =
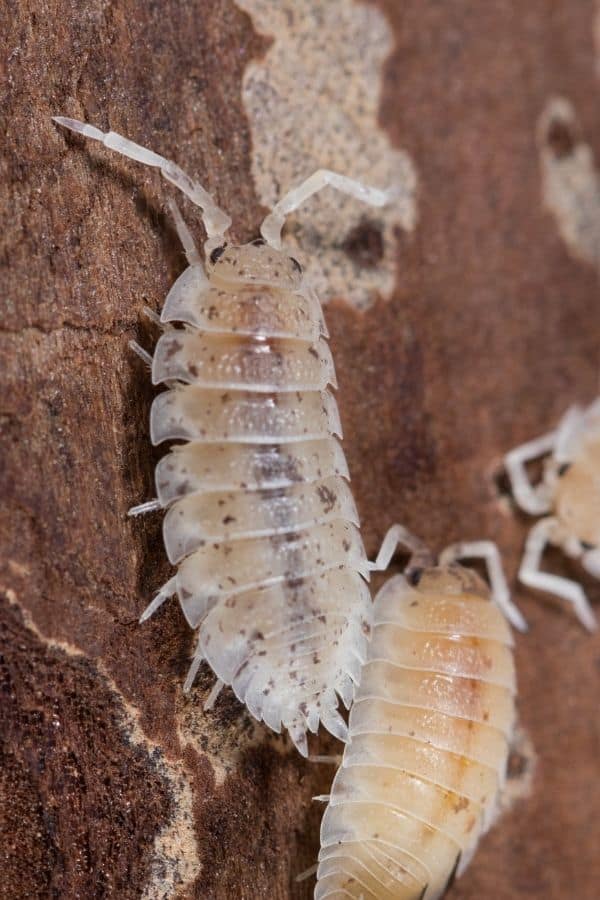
429,730
260,518
568,497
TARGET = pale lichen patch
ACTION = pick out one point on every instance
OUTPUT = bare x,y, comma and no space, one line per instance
570,180
313,102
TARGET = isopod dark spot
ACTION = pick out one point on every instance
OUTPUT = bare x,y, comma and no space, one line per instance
327,498
217,253
296,264
414,576
175,347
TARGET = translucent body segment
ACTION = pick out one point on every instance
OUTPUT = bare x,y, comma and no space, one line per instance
455,815
383,860
242,363
217,570
378,871
469,657
287,615
287,648
194,468
450,694
245,312
251,264
371,821
193,413
452,771
577,494
461,736
337,883
245,514
400,604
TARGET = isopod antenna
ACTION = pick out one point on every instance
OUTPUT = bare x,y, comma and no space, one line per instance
215,220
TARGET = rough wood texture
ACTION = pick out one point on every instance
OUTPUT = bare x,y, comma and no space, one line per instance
113,784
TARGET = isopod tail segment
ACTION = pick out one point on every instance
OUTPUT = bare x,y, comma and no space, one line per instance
216,221
421,558
568,497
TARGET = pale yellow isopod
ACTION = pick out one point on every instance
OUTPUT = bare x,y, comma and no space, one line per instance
429,730
568,496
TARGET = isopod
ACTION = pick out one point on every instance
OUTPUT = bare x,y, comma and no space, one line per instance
429,730
260,519
568,496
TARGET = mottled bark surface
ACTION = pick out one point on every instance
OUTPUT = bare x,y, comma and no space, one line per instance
113,784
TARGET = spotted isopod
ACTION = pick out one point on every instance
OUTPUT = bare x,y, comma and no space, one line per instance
429,730
260,518
568,496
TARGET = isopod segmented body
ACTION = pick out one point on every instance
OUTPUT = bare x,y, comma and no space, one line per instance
428,741
568,496
260,518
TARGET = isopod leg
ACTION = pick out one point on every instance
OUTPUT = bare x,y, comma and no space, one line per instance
166,591
333,760
193,670
532,499
274,222
185,236
529,573
571,425
143,508
310,871
399,536
590,561
153,316
139,351
488,551
214,693
215,220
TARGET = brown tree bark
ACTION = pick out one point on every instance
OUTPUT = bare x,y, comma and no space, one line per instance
114,784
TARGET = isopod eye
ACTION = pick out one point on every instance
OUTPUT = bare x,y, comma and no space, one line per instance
259,242
587,545
217,252
296,264
563,469
414,576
